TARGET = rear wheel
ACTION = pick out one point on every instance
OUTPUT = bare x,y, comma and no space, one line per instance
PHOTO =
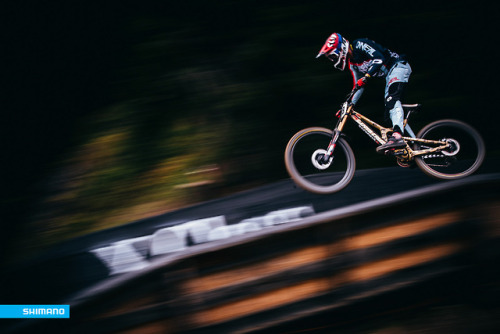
309,168
463,157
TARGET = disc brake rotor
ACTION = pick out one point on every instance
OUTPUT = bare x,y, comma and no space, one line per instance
454,147
318,157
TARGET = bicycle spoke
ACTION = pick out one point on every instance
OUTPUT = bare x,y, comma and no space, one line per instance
462,156
309,166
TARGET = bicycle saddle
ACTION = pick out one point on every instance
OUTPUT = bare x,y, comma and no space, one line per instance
411,107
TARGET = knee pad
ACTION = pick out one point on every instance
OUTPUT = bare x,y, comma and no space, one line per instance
395,93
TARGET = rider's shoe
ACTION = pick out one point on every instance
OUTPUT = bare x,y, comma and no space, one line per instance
394,141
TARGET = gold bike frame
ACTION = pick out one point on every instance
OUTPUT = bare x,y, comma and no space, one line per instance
368,126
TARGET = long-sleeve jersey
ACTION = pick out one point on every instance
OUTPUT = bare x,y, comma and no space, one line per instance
369,57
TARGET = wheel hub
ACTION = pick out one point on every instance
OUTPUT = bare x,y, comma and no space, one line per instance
318,159
453,147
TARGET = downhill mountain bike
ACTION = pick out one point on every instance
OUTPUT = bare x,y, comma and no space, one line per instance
321,160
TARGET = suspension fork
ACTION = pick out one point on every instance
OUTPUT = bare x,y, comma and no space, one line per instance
333,143
346,110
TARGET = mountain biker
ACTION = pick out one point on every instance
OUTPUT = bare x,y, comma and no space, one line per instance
366,59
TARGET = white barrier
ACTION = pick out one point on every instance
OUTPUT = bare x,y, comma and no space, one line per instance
281,216
224,232
131,254
199,229
168,240
122,256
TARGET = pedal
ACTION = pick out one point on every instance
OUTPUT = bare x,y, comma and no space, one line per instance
393,152
389,152
398,152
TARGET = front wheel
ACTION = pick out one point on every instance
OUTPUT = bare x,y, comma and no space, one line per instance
464,155
308,166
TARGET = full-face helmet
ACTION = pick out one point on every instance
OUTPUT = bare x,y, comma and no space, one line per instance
335,48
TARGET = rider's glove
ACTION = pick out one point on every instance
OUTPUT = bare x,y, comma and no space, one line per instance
362,81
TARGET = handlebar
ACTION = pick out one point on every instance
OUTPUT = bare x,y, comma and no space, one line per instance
340,114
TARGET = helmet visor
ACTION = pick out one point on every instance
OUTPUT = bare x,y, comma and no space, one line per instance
336,49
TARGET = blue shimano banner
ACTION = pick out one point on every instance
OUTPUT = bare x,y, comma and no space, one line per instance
34,311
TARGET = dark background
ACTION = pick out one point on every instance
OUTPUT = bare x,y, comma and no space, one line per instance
64,62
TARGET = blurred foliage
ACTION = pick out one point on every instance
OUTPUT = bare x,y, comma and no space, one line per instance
188,101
